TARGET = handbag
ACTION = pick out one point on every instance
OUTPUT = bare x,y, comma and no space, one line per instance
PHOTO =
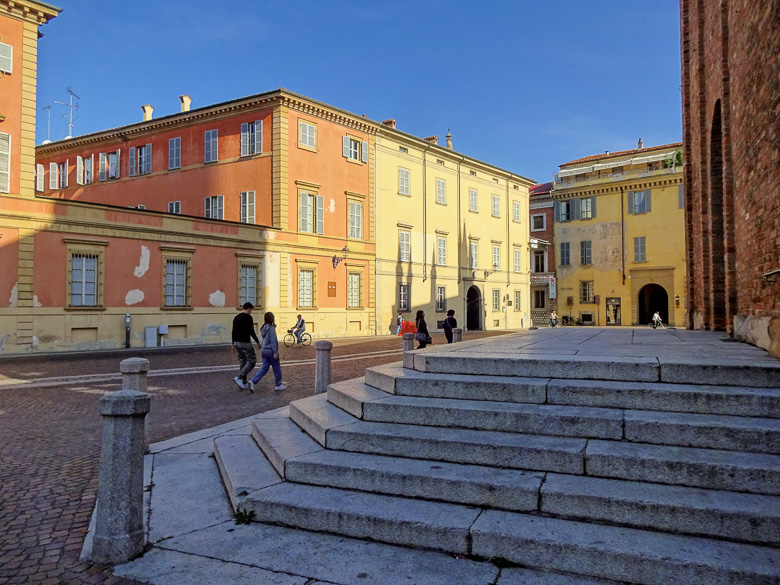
421,337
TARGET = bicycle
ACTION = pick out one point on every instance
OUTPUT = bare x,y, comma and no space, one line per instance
290,339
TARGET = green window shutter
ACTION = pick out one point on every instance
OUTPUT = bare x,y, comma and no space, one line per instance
593,207
631,203
131,162
557,211
648,201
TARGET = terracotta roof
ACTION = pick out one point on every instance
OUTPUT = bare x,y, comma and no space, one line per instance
605,156
540,189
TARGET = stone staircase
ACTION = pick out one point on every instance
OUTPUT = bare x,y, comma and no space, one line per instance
582,469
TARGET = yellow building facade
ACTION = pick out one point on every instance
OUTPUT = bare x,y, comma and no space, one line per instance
620,237
452,233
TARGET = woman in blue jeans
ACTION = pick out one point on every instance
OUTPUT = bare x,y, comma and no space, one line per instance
269,351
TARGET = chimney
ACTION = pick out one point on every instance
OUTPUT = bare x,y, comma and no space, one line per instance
432,139
640,145
389,123
185,102
147,110
449,140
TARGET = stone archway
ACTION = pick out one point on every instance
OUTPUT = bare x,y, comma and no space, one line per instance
653,297
473,309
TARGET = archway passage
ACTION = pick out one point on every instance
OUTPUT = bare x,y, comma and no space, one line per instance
652,298
473,309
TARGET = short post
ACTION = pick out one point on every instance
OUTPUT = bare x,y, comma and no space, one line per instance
457,335
119,524
134,372
408,341
322,368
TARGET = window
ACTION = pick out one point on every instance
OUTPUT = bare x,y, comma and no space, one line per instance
211,146
306,288
354,149
214,207
63,175
540,298
473,200
248,284
176,275
496,207
247,201
518,298
174,207
174,153
5,160
39,178
441,191
586,291
307,135
538,223
6,58
516,211
356,220
496,257
403,297
518,260
565,210
353,291
639,202
585,253
441,299
84,279
640,251
108,166
140,160
496,299
84,170
312,213
404,247
403,182
441,251
403,149
89,169
586,206
439,162
473,255
565,254
54,180
473,173
540,261
251,138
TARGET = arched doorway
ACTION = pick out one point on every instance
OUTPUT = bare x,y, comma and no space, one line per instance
652,298
473,309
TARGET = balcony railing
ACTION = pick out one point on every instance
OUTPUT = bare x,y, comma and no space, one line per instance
574,182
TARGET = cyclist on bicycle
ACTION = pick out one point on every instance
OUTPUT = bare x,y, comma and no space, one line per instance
553,319
298,329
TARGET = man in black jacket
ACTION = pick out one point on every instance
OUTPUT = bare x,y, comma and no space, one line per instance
243,333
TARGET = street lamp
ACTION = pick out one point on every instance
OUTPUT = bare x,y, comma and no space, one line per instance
336,259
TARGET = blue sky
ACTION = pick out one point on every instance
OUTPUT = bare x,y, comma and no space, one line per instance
525,85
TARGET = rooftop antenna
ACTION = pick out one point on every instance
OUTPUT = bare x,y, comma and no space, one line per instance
48,126
72,107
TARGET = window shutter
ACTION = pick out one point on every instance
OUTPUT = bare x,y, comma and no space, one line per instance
320,214
345,146
680,197
593,207
118,152
148,159
244,139
220,207
557,211
5,162
131,162
102,166
648,201
258,136
631,203
303,212
575,209
79,170
207,207
91,168
364,151
6,58
39,177
54,182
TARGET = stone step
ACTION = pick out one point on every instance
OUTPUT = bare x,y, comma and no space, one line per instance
408,522
370,404
757,473
335,429
243,467
622,554
728,515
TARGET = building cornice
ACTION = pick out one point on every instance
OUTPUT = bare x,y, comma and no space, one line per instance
634,184
37,13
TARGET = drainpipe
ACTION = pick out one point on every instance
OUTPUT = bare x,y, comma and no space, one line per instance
622,240
462,158
508,241
425,212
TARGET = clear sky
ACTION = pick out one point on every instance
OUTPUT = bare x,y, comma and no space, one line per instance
525,85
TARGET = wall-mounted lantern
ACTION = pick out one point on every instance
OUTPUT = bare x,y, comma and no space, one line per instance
336,259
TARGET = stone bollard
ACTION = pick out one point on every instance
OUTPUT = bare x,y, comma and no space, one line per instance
408,341
457,335
119,524
134,374
322,368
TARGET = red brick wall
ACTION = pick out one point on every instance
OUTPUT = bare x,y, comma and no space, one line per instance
731,129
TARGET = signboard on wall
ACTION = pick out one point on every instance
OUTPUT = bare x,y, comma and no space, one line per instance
552,288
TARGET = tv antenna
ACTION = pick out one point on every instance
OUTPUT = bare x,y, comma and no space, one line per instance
72,107
48,127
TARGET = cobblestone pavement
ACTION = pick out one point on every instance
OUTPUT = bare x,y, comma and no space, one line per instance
50,448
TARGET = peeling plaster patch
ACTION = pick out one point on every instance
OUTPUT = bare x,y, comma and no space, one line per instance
332,206
4,339
36,302
134,296
143,263
214,329
12,298
270,235
34,344
217,299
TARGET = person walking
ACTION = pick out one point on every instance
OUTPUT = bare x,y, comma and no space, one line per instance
450,323
400,323
242,335
422,330
269,351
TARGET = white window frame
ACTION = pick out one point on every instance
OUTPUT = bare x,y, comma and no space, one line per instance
441,299
5,162
586,208
640,249
544,222
516,211
247,205
496,299
214,207
586,291
40,182
404,246
176,282
495,208
404,180
441,191
311,213
354,149
139,160
496,258
174,207
586,252
306,288
354,286
403,297
565,258
54,178
6,58
518,260
83,281
63,175
174,153
518,299
252,138
307,134
108,165
473,198
355,220
473,255
441,251
543,255
248,277
210,146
